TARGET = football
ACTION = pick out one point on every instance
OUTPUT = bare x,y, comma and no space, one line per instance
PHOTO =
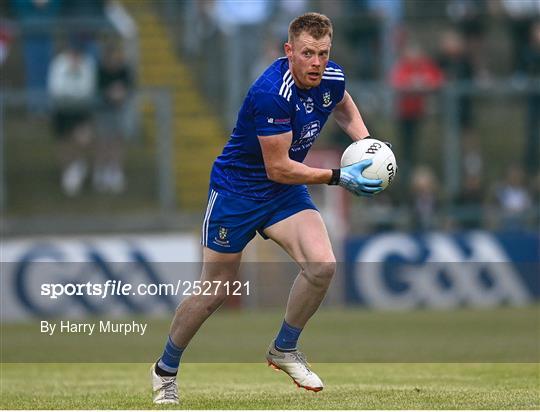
384,164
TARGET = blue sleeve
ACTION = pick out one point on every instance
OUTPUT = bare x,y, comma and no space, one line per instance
334,77
272,114
340,89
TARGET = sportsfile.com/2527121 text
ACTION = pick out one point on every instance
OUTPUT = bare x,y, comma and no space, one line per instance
121,288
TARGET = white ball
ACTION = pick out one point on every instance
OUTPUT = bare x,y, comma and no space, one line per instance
384,164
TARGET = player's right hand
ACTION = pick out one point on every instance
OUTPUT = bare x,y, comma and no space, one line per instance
351,179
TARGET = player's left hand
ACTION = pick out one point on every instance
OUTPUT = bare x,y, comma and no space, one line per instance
351,178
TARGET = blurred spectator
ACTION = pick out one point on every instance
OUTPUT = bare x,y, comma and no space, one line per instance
470,201
244,25
413,76
455,60
531,60
469,18
473,163
471,196
362,28
84,8
124,24
115,90
285,12
35,17
5,42
273,49
521,15
512,198
424,197
71,85
89,10
202,42
372,32
390,14
456,63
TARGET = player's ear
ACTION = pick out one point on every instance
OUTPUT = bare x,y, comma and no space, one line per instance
288,49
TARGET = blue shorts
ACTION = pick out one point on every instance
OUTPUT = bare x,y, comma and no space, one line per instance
231,222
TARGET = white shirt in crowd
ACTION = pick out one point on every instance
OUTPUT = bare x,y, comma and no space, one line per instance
72,78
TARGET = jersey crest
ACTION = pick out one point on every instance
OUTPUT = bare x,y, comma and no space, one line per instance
327,98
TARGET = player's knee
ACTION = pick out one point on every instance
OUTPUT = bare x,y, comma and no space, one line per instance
320,274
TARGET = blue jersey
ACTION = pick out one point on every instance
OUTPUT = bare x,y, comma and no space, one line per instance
274,105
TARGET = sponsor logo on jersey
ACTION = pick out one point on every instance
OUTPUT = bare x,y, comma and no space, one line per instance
279,121
309,134
308,104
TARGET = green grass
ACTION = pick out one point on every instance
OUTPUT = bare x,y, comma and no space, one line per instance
254,386
463,359
505,334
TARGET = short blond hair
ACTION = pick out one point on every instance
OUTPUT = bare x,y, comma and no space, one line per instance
317,25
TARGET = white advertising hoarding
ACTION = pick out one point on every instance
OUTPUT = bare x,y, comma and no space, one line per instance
31,266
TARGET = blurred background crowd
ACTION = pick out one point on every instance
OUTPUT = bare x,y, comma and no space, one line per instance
112,111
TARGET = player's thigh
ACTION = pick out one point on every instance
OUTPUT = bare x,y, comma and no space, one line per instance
219,266
304,237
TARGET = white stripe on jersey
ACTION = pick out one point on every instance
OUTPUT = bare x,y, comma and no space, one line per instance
205,216
211,201
285,78
331,76
208,218
289,94
285,89
335,74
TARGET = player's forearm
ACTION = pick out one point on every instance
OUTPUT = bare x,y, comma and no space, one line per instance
349,119
296,173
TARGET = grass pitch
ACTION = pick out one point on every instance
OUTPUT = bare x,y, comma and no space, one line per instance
255,386
466,359
506,334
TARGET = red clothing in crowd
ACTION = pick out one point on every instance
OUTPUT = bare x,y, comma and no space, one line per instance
414,77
